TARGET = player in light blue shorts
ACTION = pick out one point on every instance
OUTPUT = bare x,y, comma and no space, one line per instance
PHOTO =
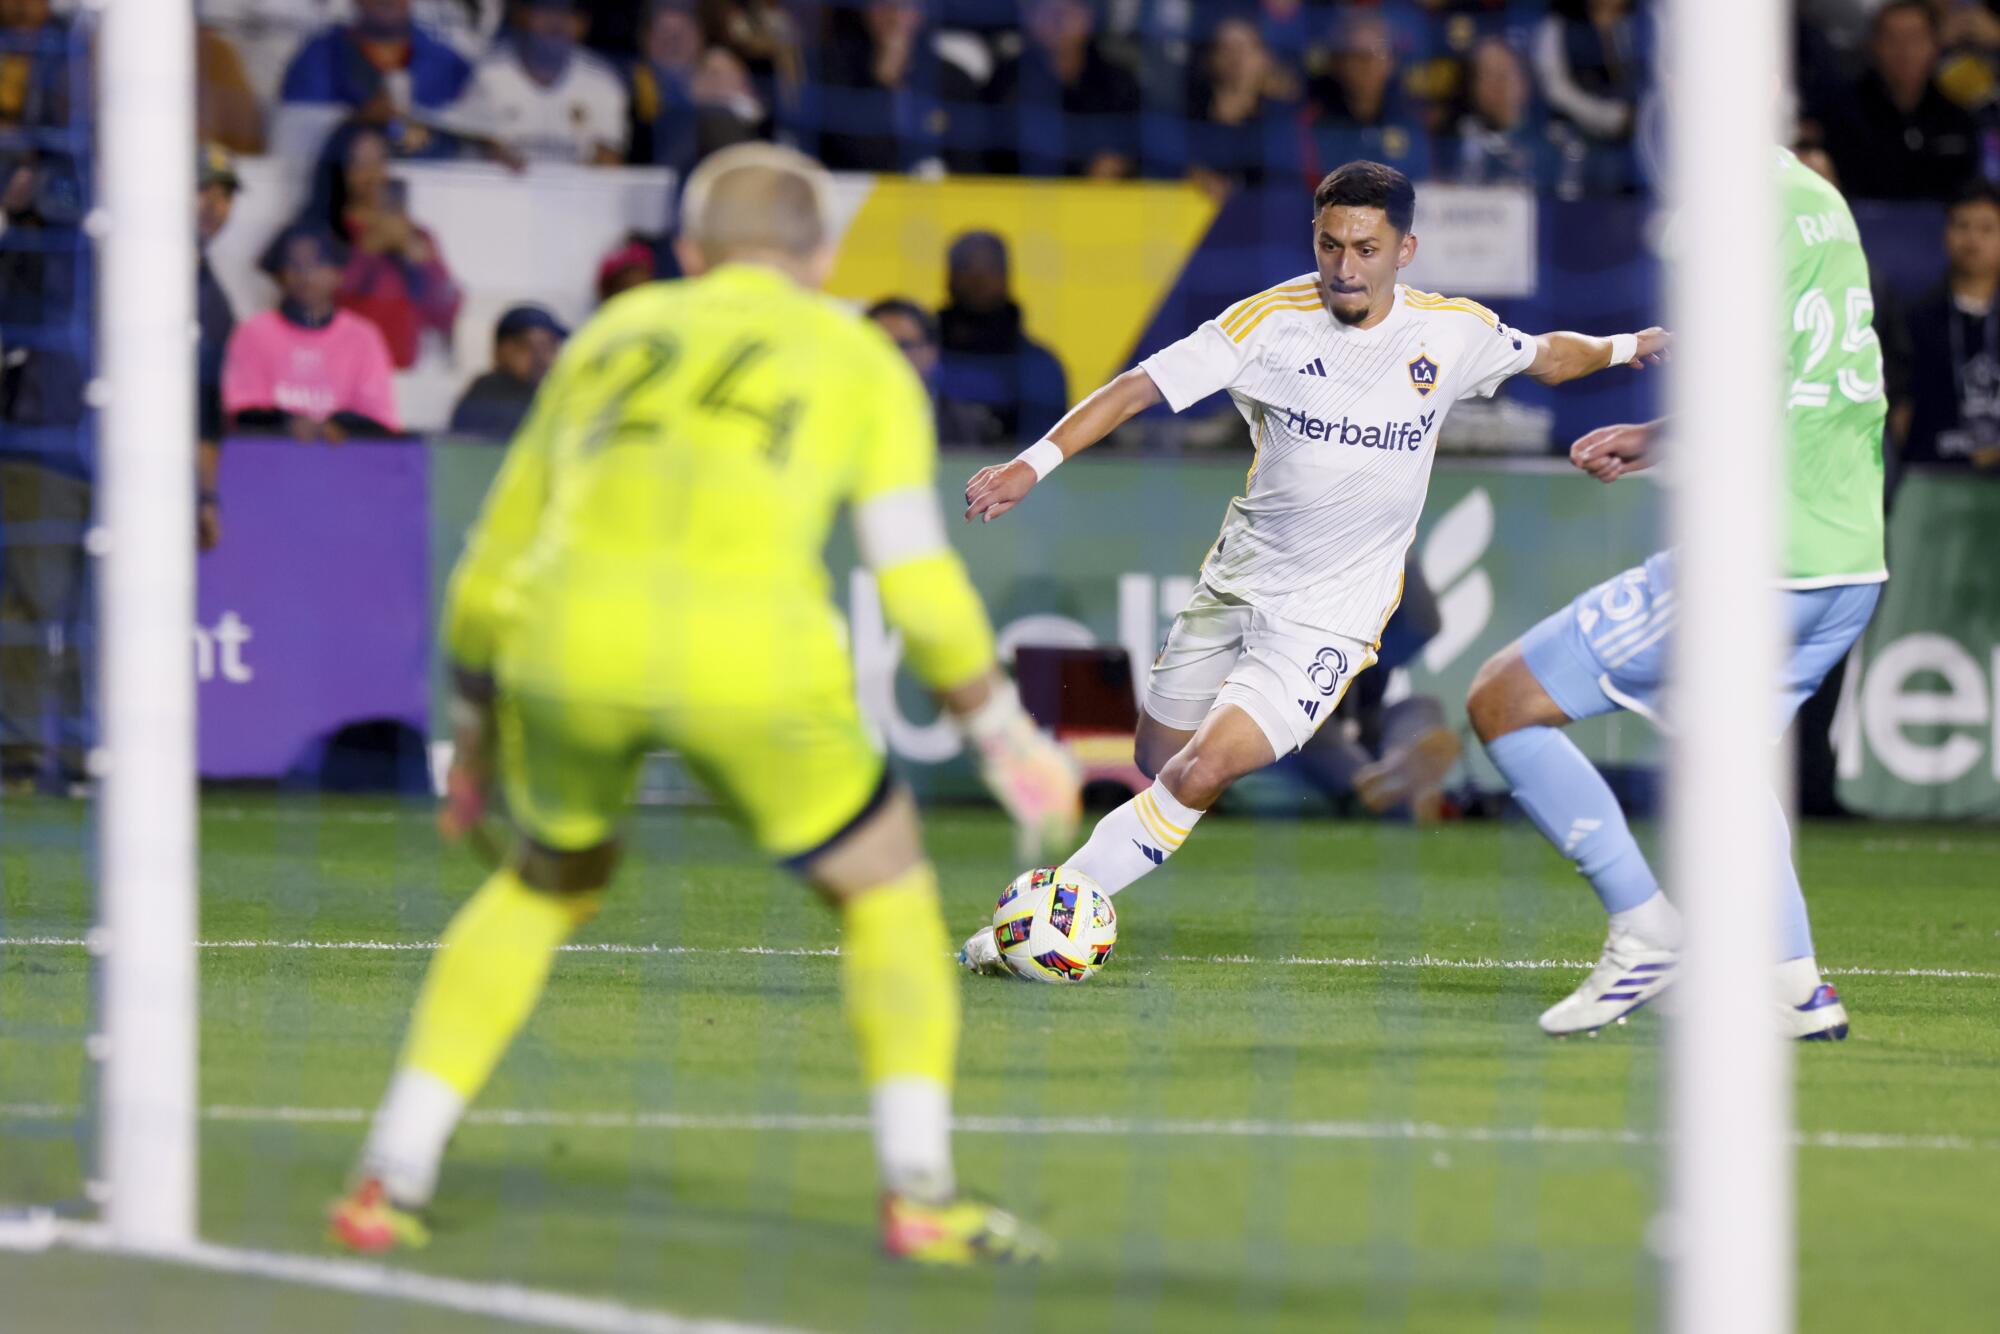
1607,649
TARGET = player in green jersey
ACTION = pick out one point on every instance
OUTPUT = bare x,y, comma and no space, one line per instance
646,574
1607,650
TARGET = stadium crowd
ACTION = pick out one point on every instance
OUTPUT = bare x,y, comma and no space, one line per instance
1485,90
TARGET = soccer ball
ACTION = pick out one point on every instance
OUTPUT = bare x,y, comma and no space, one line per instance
1054,924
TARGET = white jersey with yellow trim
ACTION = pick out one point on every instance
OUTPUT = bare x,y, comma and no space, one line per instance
1346,424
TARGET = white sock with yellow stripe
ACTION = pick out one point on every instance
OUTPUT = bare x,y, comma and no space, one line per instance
1135,838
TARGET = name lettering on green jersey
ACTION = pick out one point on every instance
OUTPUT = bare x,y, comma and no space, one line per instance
1833,225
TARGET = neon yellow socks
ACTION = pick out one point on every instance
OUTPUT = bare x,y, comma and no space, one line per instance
902,1001
481,987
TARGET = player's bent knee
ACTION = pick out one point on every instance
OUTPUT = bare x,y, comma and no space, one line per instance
1506,696
1196,778
577,873
1486,703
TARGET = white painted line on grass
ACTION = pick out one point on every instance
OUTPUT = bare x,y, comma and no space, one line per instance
1282,961
499,1301
1116,1127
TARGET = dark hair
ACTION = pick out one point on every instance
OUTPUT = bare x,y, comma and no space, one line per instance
977,247
1917,7
332,250
909,310
1977,192
1369,185
326,204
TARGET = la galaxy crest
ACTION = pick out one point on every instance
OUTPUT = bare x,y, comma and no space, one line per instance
1423,376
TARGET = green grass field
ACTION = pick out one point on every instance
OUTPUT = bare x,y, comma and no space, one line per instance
1286,1105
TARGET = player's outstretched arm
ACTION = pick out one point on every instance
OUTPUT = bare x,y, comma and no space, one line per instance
1562,356
1609,452
995,490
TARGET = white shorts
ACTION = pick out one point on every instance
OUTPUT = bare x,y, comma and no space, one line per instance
1288,677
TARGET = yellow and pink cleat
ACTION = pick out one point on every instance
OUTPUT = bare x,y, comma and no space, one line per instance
958,1232
366,1220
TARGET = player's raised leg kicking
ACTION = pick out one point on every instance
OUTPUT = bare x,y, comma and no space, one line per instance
1345,376
1607,649
647,573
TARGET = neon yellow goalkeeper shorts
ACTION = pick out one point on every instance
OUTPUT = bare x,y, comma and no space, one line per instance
761,709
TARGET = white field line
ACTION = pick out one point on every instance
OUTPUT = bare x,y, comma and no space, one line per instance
1280,961
1114,1127
499,1301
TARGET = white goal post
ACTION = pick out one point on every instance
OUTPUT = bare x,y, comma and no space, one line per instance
145,541
1729,1261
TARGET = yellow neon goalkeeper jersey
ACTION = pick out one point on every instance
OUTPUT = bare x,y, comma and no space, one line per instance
684,461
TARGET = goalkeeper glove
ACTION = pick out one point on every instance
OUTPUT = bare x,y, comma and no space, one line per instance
1033,777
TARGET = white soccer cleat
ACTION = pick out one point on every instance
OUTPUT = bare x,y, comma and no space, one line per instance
1629,973
1821,1019
981,954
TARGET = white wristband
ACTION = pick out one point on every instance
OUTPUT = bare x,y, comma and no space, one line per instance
1042,456
1624,347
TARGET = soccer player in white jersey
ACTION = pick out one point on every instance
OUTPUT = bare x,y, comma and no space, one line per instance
1345,376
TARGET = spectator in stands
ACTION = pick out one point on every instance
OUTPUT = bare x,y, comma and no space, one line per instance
34,62
1591,57
916,333
1969,35
688,97
395,275
1245,127
1358,110
268,33
765,37
542,94
215,198
1063,107
1894,134
383,66
633,263
525,343
309,369
45,472
1498,136
882,98
1955,343
988,357
227,112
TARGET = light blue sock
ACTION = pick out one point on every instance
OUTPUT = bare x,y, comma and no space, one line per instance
1569,801
1794,929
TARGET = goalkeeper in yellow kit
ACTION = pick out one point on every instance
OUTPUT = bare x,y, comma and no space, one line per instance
647,574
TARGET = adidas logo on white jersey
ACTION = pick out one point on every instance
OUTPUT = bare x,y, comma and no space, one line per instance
1313,367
